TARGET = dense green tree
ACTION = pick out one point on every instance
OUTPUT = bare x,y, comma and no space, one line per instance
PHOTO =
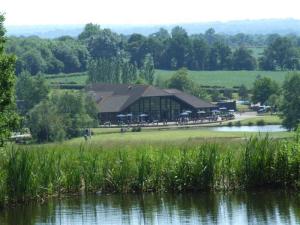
263,88
103,71
228,93
291,101
241,39
89,31
8,117
155,47
266,62
281,53
215,95
104,45
72,108
179,80
62,116
46,124
243,92
162,35
210,36
220,57
147,71
198,91
179,46
134,47
242,59
114,70
274,101
33,61
30,91
200,51
68,56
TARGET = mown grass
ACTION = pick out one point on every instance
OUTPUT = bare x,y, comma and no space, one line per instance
36,172
114,136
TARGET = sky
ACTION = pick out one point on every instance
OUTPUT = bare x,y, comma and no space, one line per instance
143,12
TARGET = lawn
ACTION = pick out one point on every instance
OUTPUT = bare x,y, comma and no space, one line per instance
225,78
173,134
113,136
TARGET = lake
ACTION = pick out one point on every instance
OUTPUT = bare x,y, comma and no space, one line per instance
265,128
266,207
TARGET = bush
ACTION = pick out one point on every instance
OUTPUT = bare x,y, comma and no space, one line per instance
250,123
260,122
136,129
238,123
230,124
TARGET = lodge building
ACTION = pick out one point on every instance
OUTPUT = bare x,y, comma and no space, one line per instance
136,100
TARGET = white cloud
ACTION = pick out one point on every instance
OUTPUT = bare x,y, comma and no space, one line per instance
20,12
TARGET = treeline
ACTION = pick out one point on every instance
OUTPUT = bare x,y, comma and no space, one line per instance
168,50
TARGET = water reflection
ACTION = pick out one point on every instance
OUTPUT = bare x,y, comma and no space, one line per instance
203,208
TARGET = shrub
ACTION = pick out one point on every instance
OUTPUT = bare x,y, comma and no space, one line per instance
136,129
250,123
238,123
260,122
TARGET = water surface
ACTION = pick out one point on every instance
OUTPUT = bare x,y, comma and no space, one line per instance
204,208
266,128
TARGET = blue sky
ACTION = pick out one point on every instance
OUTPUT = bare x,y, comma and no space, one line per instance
135,12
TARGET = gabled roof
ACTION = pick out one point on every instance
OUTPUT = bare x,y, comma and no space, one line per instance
190,99
117,97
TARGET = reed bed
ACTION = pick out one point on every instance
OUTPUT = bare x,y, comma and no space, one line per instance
37,172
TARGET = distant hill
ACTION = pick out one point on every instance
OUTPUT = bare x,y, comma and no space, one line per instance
280,26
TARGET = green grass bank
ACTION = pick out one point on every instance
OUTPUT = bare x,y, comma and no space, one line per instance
37,172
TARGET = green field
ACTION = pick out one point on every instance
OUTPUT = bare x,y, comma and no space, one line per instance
72,78
205,78
226,78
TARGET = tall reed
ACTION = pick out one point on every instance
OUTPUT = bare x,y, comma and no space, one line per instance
32,172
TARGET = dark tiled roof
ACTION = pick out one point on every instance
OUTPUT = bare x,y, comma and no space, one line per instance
154,92
113,103
117,97
190,99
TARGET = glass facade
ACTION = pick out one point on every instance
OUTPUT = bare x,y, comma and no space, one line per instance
157,108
